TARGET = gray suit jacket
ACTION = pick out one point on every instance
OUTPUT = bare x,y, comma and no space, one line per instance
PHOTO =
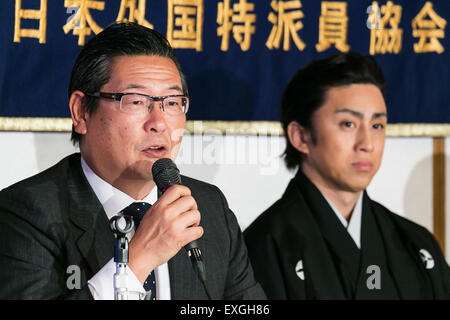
53,220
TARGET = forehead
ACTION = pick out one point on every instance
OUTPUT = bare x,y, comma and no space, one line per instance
363,98
143,70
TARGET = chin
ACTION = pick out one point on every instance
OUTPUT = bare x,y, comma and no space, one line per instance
357,185
142,170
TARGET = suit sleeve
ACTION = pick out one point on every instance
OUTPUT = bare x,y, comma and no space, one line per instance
241,283
31,255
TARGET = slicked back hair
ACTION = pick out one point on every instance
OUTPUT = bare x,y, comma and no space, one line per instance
307,91
93,66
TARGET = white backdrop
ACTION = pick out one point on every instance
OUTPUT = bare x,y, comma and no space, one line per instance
250,171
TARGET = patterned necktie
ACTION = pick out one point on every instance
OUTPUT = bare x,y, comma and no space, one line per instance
137,211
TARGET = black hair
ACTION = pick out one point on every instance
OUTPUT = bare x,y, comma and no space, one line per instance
307,90
92,68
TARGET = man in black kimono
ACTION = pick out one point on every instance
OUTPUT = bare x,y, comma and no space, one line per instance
325,238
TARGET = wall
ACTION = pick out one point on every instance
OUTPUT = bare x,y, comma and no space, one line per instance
250,171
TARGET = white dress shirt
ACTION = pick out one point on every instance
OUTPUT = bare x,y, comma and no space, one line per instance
354,225
113,201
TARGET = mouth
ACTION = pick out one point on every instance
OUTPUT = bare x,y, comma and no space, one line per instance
362,166
155,151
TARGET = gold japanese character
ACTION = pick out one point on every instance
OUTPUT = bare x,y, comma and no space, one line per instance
239,20
187,15
77,23
333,23
382,38
285,24
224,15
135,14
428,29
40,15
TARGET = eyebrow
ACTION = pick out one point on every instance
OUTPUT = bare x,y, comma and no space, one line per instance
138,86
360,115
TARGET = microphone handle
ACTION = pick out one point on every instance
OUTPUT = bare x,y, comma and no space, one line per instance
194,254
191,245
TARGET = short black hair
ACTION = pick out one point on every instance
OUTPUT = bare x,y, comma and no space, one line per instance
92,68
307,90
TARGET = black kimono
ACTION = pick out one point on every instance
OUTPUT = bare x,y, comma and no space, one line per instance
300,250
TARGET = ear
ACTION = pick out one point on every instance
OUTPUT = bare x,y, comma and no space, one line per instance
299,137
78,112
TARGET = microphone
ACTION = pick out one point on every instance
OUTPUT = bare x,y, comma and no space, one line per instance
120,226
166,174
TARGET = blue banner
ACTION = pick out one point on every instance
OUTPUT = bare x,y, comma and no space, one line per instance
238,55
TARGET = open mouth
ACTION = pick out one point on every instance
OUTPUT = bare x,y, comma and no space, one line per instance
155,151
156,148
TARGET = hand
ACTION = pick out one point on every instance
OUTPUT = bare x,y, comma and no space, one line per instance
171,223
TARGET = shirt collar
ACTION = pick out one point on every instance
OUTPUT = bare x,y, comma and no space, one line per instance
112,199
354,225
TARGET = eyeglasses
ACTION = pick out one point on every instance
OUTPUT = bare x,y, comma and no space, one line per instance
141,104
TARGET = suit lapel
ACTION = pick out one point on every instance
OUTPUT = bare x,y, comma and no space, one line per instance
304,241
93,237
179,285
343,250
184,283
399,259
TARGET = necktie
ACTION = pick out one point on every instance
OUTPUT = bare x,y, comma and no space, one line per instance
137,211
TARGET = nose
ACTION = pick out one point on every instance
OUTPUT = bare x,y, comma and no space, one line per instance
364,139
156,121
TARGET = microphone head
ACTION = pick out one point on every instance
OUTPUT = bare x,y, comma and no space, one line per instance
121,225
165,173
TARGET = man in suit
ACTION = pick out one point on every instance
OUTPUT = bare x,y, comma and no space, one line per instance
128,100
325,238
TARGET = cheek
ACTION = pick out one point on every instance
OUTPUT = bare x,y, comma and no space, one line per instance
176,138
327,156
379,149
99,128
336,147
119,135
176,128
339,156
176,135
